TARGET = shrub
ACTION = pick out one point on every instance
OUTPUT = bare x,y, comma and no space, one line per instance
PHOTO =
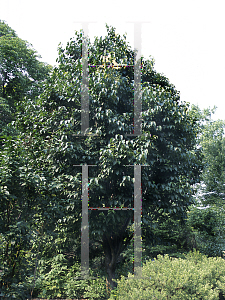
208,227
194,277
56,279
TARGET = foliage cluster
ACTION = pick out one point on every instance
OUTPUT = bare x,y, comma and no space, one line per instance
21,70
194,277
207,226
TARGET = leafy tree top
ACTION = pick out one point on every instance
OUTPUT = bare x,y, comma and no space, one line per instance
5,29
168,142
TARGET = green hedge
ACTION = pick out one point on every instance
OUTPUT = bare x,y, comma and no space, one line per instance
194,277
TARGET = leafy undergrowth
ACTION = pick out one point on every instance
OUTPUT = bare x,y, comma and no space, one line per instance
194,277
191,276
64,282
56,280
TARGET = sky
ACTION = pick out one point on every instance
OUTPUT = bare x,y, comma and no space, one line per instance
186,38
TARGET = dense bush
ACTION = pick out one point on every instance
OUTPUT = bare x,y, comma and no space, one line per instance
168,235
208,227
194,277
57,280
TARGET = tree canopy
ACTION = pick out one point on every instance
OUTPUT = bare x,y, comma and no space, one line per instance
41,177
167,144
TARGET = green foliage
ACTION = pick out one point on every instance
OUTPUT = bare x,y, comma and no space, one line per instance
21,184
213,143
5,30
5,112
208,223
60,281
211,139
194,277
21,71
208,227
28,209
5,119
169,236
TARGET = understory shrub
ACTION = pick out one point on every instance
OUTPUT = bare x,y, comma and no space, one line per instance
194,277
208,227
57,280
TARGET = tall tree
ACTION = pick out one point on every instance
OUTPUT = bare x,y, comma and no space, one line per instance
167,144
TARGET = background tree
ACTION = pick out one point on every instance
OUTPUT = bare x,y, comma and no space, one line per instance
21,75
208,221
21,70
213,144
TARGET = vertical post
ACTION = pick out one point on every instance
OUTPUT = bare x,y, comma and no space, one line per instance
137,222
137,81
84,224
84,86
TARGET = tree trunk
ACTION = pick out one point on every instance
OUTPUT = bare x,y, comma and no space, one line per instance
113,246
110,265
